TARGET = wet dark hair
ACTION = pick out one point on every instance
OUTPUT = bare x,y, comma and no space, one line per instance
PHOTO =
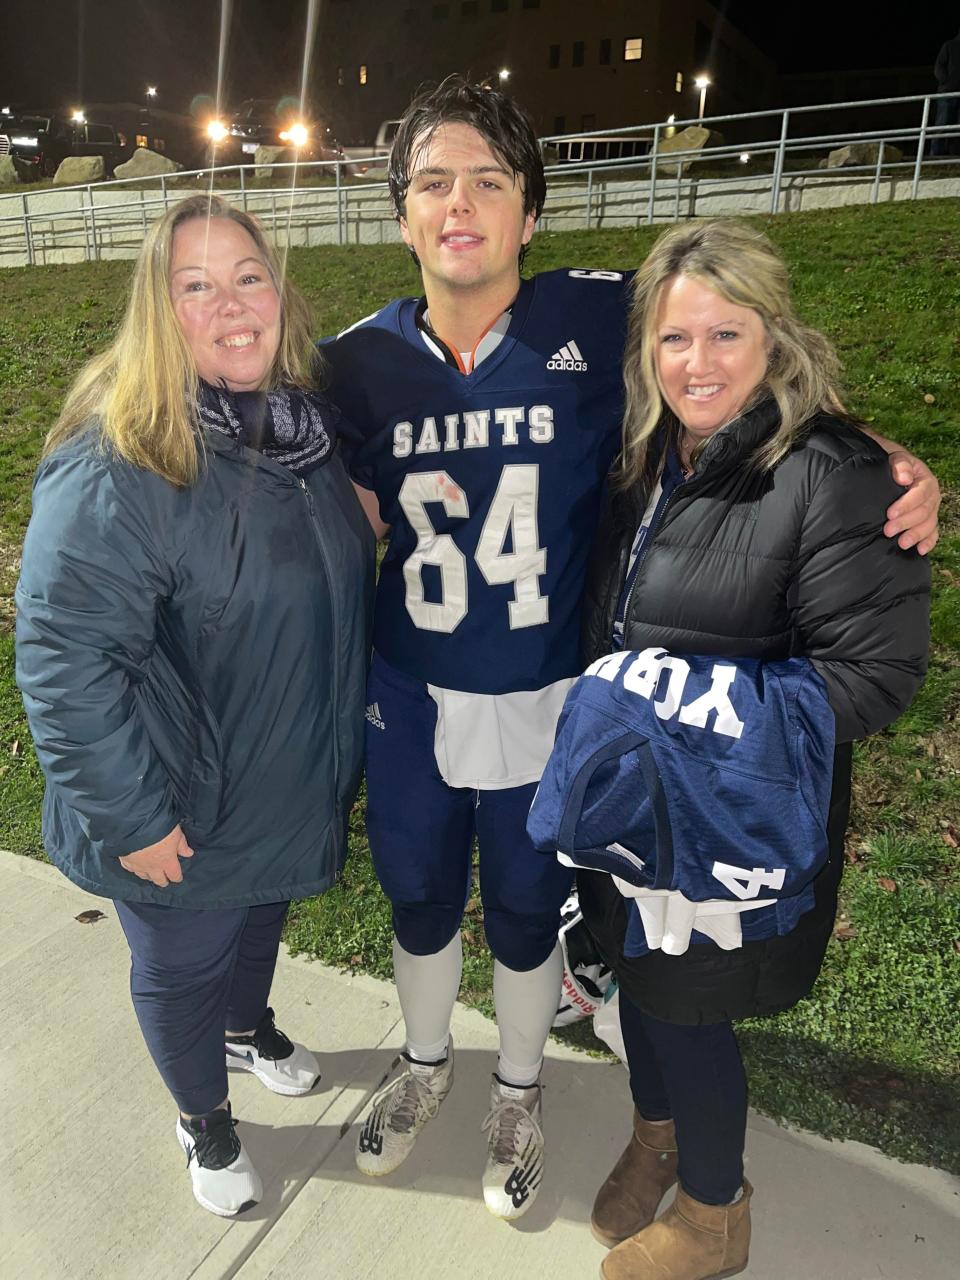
501,121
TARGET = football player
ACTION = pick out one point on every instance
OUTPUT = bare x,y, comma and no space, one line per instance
487,415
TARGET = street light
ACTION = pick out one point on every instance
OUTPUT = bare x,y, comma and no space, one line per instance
703,84
151,90
78,117
504,75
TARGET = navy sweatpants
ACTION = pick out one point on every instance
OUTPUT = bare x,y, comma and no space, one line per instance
193,976
694,1074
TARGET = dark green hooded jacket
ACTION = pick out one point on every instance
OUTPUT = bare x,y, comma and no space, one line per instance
196,656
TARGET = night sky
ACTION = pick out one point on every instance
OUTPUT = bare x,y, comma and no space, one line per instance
129,43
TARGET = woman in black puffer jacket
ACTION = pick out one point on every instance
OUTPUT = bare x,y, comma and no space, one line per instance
744,521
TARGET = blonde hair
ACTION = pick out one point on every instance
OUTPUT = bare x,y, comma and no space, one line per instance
741,265
143,389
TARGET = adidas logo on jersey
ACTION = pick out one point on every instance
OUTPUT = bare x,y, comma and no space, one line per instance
568,358
373,715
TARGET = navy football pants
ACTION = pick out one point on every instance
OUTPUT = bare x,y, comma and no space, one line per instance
193,976
694,1074
421,835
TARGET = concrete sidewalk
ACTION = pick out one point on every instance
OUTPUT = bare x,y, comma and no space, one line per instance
93,1182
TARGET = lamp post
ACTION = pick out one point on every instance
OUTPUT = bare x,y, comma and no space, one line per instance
703,84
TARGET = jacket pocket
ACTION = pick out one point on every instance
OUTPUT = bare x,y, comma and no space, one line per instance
186,737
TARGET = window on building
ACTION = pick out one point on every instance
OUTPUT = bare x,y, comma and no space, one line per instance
559,124
606,47
363,73
441,12
469,8
499,6
588,121
553,59
678,83
410,15
531,4
578,53
159,144
633,49
142,140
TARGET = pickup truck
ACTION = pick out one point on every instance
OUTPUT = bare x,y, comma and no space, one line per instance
372,159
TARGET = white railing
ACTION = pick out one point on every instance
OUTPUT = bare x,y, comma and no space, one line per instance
108,219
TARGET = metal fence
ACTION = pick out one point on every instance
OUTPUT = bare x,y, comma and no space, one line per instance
770,163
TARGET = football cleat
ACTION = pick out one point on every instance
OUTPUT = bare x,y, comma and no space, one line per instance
514,1167
400,1111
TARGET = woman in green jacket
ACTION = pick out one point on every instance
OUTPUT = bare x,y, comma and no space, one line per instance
191,646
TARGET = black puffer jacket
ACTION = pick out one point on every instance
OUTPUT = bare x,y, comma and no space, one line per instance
745,563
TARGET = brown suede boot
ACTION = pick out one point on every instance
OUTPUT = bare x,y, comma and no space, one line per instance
627,1201
692,1241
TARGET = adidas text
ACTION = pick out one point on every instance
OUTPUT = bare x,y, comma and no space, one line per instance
373,715
569,358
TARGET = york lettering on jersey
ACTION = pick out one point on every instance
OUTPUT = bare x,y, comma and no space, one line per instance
643,672
473,429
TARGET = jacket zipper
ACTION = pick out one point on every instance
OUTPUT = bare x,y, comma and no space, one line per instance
645,551
335,612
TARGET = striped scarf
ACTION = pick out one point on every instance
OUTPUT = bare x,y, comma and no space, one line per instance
295,428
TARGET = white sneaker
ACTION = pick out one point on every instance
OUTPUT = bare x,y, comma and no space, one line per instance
284,1067
224,1180
514,1167
399,1112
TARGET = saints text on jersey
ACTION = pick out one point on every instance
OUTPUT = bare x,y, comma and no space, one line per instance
474,429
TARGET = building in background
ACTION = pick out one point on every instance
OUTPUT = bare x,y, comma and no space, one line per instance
573,66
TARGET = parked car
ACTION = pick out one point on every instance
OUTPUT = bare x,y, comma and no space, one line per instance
258,122
372,159
44,138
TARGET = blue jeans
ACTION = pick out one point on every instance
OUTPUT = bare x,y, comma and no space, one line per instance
694,1074
193,976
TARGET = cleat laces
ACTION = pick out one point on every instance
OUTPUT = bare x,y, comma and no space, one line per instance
414,1100
504,1119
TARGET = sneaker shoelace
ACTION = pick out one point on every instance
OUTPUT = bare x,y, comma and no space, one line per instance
216,1146
413,1097
505,1119
268,1040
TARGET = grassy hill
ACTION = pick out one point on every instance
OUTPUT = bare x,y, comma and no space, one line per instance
875,1052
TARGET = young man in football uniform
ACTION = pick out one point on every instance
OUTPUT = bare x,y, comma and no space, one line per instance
487,416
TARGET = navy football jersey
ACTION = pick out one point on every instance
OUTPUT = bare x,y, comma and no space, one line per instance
491,481
711,776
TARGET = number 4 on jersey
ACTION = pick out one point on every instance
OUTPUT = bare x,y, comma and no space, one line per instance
512,519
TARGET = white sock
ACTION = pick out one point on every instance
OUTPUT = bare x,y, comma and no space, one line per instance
526,1005
428,988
